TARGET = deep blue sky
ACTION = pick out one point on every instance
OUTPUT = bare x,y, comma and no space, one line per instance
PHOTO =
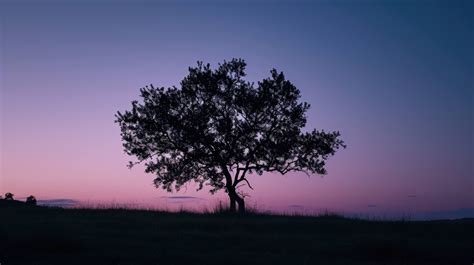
395,77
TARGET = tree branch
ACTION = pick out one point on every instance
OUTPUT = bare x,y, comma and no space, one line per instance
248,183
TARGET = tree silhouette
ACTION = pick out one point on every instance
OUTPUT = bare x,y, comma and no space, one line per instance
9,196
31,200
217,129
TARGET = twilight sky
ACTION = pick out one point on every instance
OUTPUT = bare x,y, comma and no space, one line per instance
394,77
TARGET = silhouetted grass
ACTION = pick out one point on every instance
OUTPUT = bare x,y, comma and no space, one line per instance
38,235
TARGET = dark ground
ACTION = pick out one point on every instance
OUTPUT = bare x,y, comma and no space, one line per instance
37,235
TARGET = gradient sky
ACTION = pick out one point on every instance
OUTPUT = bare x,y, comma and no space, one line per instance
394,77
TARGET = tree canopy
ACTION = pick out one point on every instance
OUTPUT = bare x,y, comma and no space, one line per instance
218,129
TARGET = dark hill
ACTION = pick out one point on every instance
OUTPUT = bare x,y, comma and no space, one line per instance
40,235
14,203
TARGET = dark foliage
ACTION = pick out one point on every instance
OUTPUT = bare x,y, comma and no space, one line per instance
218,128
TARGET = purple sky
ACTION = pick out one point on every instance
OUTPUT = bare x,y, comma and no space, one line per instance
395,78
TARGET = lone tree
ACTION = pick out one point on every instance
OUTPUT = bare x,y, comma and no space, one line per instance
217,129
31,200
9,196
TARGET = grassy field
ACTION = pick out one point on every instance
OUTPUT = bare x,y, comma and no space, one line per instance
38,235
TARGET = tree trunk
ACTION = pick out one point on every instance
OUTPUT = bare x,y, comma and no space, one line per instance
233,196
235,200
233,206
241,203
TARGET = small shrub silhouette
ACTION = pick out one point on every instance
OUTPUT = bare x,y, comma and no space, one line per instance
9,196
31,200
